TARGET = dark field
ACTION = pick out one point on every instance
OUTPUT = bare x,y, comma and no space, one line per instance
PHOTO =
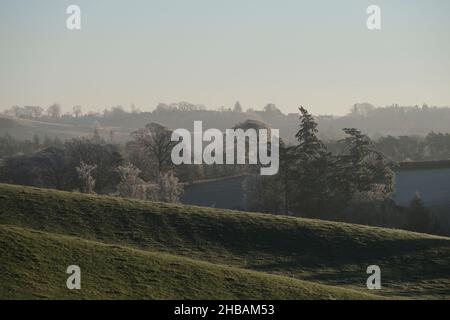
225,194
432,184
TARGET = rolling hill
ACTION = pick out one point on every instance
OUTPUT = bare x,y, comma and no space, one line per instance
24,129
255,246
34,267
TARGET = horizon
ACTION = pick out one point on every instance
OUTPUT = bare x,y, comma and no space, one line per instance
68,110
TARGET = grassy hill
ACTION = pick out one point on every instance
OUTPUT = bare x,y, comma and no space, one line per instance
336,254
34,265
25,128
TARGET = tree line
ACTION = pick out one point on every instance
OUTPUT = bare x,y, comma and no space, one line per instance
350,180
352,185
141,168
91,165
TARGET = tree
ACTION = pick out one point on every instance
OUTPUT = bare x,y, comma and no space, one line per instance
105,156
170,189
362,168
85,175
36,141
77,111
134,109
285,175
54,111
302,185
311,166
361,109
33,111
154,141
129,185
237,107
272,194
263,194
96,133
53,167
14,111
419,217
19,169
272,109
309,145
116,112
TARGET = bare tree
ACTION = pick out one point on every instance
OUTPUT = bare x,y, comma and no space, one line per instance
77,111
237,107
54,111
155,142
34,111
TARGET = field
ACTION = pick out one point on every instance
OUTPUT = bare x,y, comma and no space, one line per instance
35,261
432,184
135,249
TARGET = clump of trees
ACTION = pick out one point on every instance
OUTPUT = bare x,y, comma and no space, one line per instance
432,147
91,165
354,185
56,166
313,181
10,146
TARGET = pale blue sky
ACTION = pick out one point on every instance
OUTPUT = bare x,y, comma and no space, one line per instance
315,53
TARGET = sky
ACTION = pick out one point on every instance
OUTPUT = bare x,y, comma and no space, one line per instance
318,53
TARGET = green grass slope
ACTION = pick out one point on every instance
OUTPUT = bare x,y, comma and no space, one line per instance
34,264
413,265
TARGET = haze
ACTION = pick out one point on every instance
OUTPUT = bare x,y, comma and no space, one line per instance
316,53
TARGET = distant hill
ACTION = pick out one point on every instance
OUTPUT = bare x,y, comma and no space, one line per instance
334,254
373,121
25,129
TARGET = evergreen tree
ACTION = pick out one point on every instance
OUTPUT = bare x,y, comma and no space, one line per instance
362,168
237,107
419,216
309,145
311,167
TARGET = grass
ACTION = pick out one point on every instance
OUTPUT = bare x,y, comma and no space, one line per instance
334,254
35,263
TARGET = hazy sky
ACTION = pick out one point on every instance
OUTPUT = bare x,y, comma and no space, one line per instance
316,53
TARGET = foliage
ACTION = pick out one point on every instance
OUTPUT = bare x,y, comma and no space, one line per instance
419,217
130,183
170,189
313,182
86,177
154,142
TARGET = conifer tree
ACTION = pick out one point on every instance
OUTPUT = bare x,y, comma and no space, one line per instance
419,216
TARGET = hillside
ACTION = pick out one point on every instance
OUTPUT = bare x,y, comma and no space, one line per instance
34,267
23,129
413,265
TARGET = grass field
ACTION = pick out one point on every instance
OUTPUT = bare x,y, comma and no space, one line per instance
156,250
34,267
